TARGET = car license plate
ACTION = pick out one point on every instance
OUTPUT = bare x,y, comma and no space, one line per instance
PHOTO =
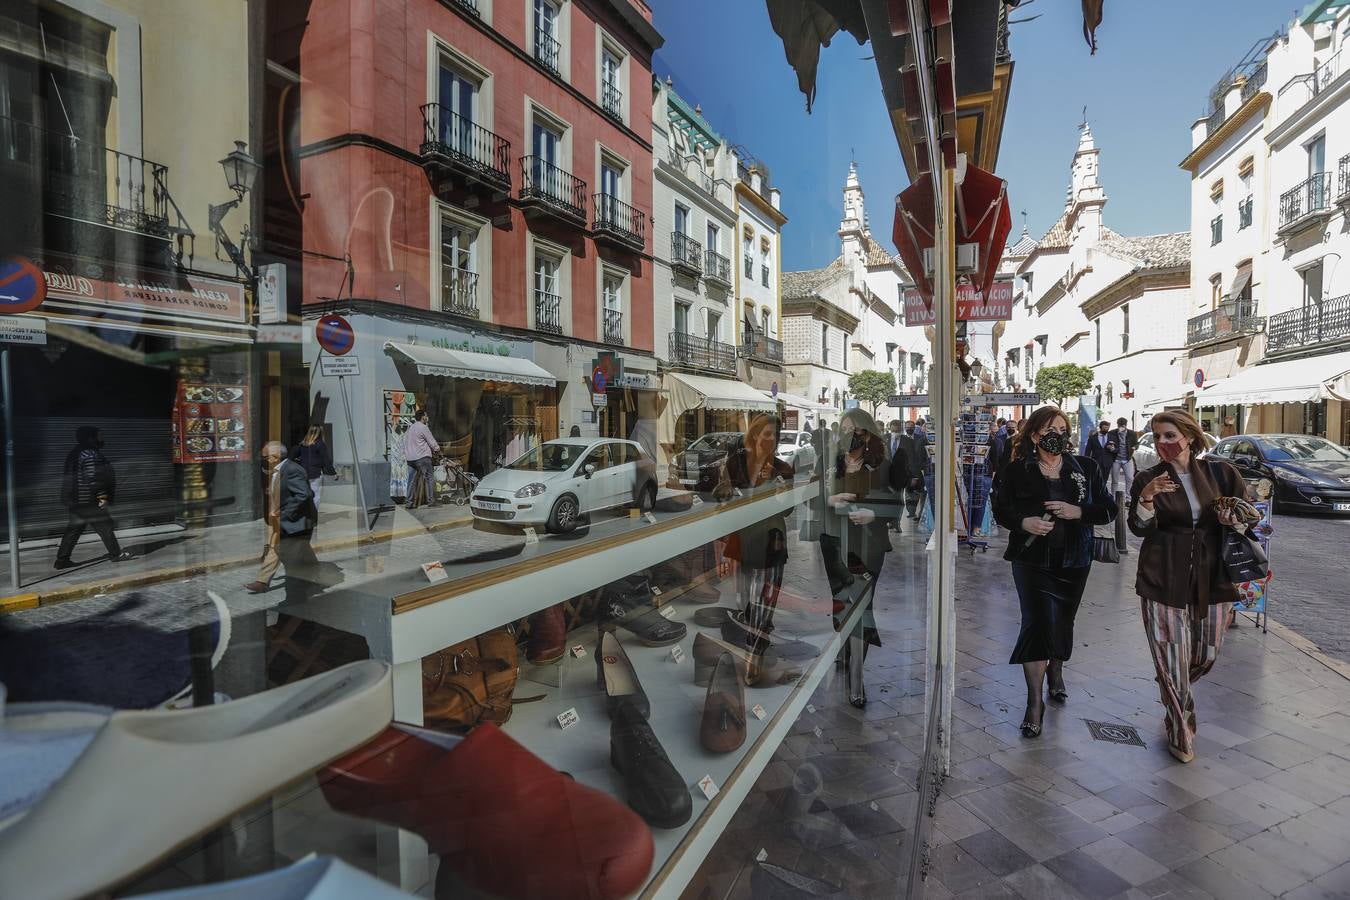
488,504
1340,507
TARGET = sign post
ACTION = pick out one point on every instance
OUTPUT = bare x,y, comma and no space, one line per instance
335,335
22,289
11,502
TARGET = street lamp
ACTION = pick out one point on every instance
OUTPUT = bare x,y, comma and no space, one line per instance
241,171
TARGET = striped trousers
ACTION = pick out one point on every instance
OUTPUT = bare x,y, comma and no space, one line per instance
1183,651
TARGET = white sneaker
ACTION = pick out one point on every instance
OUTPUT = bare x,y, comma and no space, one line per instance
151,781
318,878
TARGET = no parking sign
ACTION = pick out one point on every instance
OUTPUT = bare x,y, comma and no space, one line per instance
335,334
22,287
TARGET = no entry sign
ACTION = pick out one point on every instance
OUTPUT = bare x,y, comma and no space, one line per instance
335,334
22,287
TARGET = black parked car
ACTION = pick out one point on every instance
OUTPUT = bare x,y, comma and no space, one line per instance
699,466
1310,473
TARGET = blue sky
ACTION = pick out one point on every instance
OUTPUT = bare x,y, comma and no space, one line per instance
1155,63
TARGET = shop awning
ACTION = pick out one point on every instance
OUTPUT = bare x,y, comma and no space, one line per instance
798,402
1294,381
913,232
471,365
983,219
701,392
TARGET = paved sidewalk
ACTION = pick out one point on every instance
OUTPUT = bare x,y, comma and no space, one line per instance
1263,811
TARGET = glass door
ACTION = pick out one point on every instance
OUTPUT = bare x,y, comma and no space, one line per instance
459,100
545,168
609,193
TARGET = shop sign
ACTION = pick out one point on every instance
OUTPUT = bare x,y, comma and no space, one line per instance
178,295
210,423
641,381
1014,399
23,330
902,400
971,305
281,334
469,346
22,287
610,363
272,293
599,399
339,365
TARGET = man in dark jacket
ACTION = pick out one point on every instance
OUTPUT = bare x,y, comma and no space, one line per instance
899,474
87,487
291,518
1101,449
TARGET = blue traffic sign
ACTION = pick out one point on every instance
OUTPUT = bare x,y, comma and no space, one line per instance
335,334
22,287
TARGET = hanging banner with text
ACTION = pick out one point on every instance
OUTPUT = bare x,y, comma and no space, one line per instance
971,305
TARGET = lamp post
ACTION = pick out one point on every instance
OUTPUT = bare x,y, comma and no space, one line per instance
241,172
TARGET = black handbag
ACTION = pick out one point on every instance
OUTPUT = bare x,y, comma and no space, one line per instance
1243,558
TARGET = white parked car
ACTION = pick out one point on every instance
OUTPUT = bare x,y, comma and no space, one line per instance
559,482
795,449
1146,457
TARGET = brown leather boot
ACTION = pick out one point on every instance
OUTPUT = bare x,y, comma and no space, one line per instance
548,636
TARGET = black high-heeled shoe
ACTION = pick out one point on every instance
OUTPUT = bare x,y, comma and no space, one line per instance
1032,728
1059,695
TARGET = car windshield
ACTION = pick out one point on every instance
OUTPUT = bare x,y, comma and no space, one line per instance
550,458
719,441
787,437
1304,449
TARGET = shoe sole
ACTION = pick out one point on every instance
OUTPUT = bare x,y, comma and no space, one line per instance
545,660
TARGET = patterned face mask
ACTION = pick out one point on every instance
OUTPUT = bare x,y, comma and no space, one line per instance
1052,442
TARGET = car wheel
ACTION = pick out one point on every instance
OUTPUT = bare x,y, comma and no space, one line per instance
565,515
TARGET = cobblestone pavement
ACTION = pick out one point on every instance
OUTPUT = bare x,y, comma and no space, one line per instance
1263,811
1311,593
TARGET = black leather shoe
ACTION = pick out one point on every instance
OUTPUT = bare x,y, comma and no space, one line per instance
655,790
615,675
646,624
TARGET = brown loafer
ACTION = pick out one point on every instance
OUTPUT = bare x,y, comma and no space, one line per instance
723,728
548,636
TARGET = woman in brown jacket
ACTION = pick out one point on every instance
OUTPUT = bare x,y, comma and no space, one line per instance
1185,595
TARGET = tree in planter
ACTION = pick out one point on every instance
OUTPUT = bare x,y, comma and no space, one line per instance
1056,384
872,386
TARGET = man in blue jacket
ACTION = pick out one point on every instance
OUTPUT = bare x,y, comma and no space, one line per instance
291,518
88,484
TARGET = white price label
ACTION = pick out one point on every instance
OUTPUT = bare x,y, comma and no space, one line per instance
758,711
531,536
656,591
434,571
578,651
668,611
676,654
708,786
817,731
761,855
810,708
567,718
696,501
650,517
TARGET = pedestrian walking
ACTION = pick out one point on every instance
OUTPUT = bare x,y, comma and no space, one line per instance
1101,449
317,460
899,475
1048,499
291,518
1125,442
1185,596
917,457
420,449
925,463
88,486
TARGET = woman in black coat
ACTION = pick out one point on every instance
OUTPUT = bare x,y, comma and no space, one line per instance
1049,500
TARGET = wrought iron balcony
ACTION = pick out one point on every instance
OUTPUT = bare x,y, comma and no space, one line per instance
716,268
548,189
686,254
1306,202
1216,230
1255,81
547,50
1215,120
547,312
1343,179
1231,318
618,223
452,143
470,5
459,292
702,353
611,99
86,181
758,345
614,326
1319,323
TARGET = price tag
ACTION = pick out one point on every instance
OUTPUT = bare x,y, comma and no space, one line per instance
656,591
761,855
810,708
578,651
738,493
434,571
567,718
650,517
758,711
867,576
696,501
531,536
676,654
817,731
708,786
668,611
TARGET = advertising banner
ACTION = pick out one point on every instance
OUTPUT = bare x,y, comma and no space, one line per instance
210,423
971,305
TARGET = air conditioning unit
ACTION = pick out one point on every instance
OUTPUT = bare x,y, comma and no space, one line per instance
967,259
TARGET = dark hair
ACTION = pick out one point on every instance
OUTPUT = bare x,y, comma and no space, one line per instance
420,415
1122,421
1002,422
1025,448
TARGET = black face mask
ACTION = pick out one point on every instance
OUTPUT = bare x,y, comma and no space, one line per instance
1052,442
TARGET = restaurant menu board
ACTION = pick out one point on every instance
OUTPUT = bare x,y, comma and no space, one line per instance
210,423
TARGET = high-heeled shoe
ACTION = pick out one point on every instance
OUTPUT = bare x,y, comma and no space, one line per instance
853,674
615,675
1032,728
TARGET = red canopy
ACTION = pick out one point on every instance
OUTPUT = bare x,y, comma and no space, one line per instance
983,218
914,231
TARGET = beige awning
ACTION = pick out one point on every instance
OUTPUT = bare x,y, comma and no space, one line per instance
701,392
1293,381
798,402
438,361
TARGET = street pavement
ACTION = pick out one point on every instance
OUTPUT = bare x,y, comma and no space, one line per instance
1310,556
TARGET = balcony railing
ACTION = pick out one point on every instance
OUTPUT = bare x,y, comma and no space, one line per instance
1255,81
459,292
614,326
686,254
547,50
611,99
758,345
1245,213
1308,198
547,312
1230,319
618,220
553,188
716,267
1215,120
470,5
86,181
701,353
1216,230
1301,89
1317,323
1343,178
465,145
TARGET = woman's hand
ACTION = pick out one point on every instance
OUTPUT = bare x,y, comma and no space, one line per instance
1061,510
1163,484
1036,525
837,500
1226,517
862,516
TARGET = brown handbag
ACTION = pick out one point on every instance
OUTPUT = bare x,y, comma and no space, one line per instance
472,681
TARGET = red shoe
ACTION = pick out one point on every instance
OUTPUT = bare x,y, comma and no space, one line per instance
548,636
504,820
